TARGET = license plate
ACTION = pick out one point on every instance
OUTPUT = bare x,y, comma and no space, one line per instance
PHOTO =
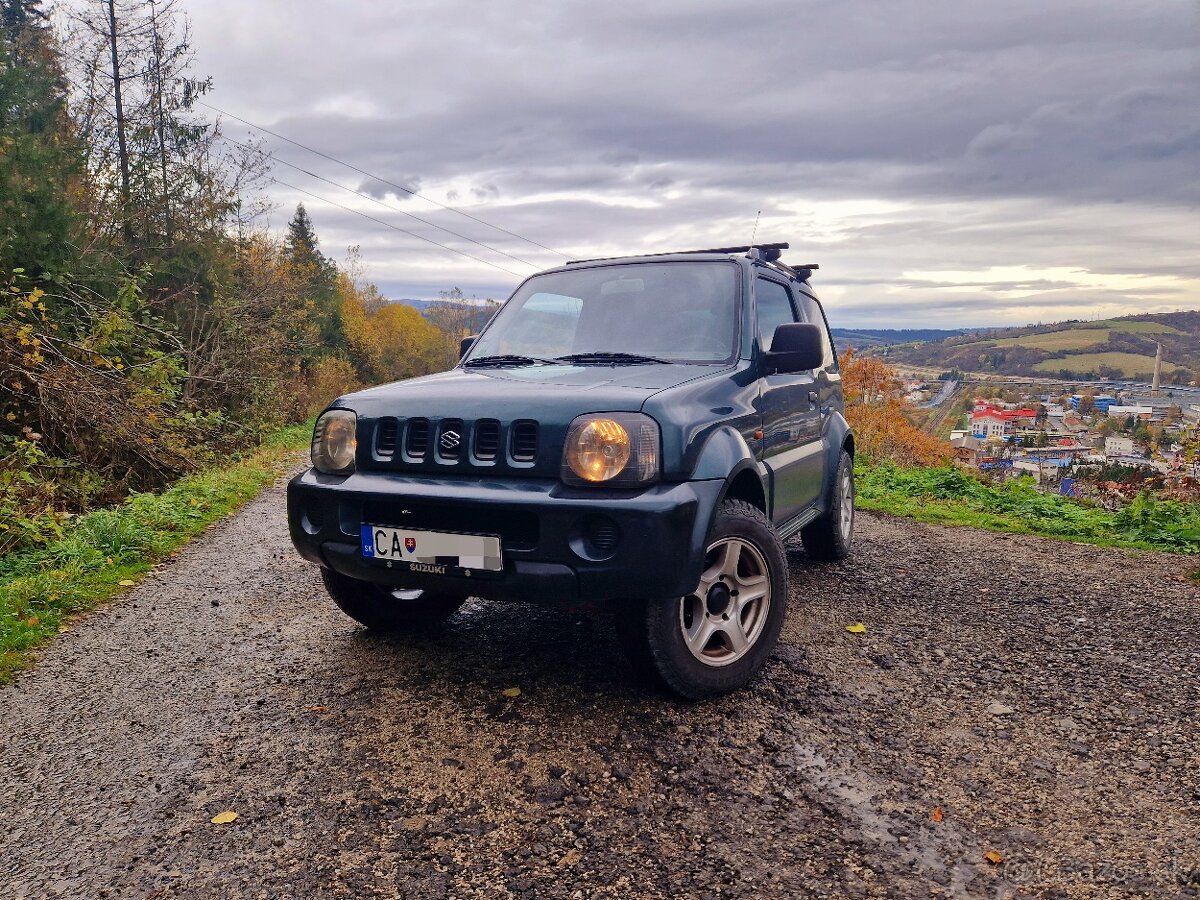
432,552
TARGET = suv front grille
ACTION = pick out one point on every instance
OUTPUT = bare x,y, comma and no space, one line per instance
524,441
416,438
487,439
452,443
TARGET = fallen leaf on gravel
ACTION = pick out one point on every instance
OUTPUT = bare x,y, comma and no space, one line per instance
995,857
511,693
223,818
125,583
937,815
857,628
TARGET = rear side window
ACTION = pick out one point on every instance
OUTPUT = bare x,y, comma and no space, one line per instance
774,309
811,310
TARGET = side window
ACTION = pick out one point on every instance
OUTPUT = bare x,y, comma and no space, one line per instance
811,311
774,309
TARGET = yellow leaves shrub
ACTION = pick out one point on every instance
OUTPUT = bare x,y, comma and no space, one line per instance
876,412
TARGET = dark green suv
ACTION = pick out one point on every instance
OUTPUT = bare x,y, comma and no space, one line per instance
641,434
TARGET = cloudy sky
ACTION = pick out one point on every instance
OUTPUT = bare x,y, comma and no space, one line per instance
946,163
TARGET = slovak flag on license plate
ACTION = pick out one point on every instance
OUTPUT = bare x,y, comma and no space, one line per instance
410,544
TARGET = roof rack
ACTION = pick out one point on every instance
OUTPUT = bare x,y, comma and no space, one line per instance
746,249
766,252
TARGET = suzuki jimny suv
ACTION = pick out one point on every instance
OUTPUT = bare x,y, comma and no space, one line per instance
641,433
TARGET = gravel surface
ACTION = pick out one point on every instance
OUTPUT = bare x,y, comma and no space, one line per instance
1023,697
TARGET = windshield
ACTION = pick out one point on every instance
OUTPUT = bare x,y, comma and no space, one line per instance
670,312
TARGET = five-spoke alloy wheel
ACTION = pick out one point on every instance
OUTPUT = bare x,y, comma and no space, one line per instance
726,614
716,638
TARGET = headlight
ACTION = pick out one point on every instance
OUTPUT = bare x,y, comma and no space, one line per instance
619,449
334,443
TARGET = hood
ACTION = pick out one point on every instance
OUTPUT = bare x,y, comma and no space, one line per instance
545,393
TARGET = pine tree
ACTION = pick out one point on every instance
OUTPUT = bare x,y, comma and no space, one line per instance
39,159
317,276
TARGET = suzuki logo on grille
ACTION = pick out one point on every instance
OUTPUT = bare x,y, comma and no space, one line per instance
450,440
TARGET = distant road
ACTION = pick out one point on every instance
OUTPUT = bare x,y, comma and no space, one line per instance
948,389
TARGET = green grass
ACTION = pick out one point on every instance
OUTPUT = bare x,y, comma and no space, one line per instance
41,589
952,497
1074,339
1129,363
1134,327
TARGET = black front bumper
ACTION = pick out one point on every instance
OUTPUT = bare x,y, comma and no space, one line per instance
555,539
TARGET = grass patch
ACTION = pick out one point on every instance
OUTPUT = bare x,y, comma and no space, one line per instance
1135,327
1074,339
1081,363
41,588
950,496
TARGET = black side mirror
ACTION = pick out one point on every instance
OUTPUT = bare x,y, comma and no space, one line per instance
795,347
465,344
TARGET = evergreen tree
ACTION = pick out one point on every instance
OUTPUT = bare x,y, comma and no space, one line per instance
316,276
39,162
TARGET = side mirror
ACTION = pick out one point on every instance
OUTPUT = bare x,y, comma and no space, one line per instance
465,344
795,347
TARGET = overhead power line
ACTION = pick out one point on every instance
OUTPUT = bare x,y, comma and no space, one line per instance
420,237
379,178
402,212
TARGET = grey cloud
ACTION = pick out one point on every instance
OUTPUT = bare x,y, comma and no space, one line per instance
1020,133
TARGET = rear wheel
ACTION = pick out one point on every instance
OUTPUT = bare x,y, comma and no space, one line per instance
717,637
383,608
830,536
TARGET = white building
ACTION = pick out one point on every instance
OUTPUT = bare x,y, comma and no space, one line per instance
1118,446
989,426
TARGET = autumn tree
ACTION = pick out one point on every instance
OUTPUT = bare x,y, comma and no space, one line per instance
877,413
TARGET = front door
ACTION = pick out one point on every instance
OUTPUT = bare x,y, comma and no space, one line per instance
792,449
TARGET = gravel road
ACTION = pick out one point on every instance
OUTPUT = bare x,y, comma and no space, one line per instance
1020,696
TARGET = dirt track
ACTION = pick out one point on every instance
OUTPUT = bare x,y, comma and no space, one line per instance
1042,696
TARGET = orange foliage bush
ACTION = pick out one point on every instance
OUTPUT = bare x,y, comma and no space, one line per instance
876,412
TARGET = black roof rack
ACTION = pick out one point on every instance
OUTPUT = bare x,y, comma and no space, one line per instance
746,249
766,252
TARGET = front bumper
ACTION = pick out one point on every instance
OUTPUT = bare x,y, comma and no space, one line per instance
557,541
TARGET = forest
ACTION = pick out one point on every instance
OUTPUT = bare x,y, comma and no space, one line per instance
150,323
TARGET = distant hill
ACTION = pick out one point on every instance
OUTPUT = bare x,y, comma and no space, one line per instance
1114,348
861,338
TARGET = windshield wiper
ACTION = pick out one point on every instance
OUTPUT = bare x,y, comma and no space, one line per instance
614,357
509,359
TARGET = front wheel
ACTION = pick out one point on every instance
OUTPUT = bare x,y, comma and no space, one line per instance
829,537
717,637
383,608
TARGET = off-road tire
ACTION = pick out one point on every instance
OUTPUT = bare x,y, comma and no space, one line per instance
652,632
378,609
829,537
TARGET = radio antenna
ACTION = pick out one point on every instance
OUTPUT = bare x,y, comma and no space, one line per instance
755,231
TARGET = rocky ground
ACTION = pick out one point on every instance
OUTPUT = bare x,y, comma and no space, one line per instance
1018,719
